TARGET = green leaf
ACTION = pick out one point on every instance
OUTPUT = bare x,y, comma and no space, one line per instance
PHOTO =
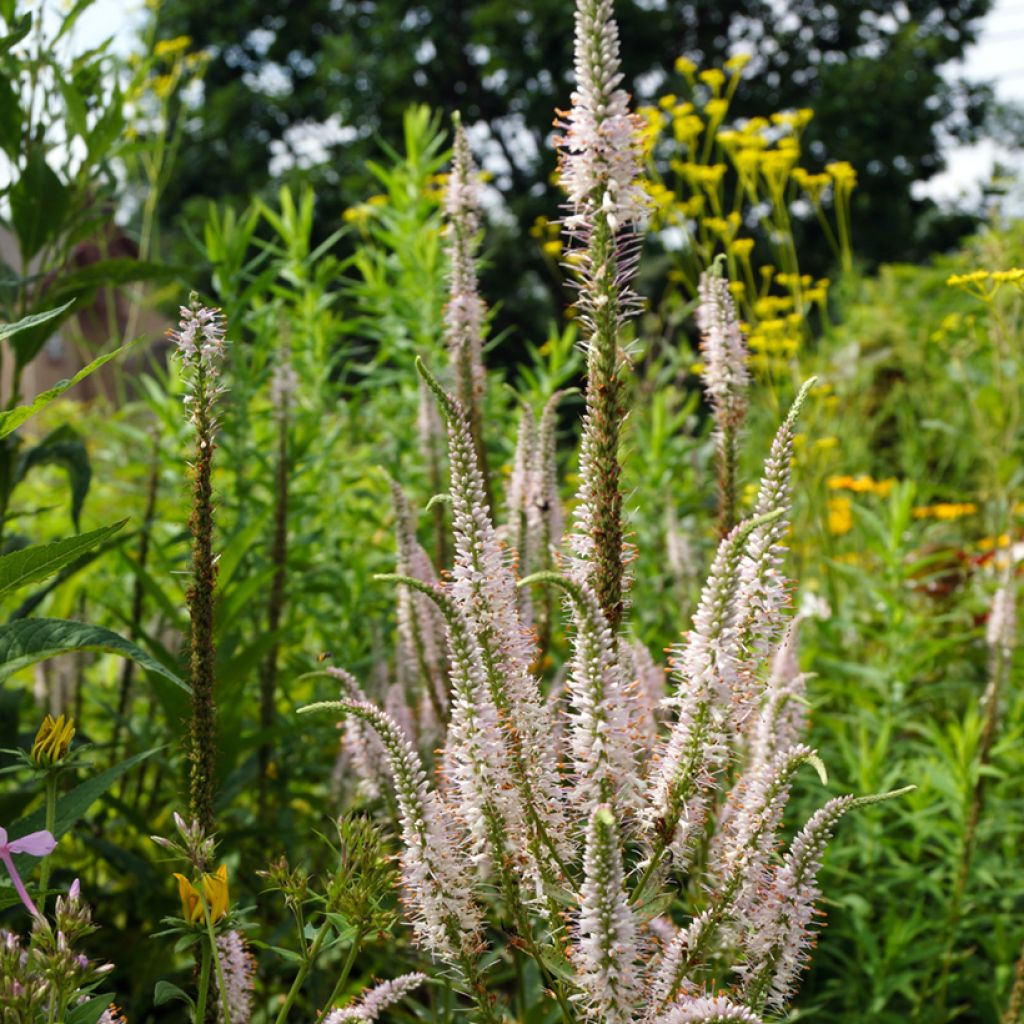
73,806
39,201
30,565
28,641
62,447
17,30
11,419
10,118
6,330
165,992
88,1012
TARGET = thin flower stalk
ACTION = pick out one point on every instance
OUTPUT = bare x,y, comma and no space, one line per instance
600,166
420,626
200,345
607,947
484,586
466,313
602,742
282,389
446,918
374,1002
726,381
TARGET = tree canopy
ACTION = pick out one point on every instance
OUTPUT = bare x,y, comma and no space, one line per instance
314,86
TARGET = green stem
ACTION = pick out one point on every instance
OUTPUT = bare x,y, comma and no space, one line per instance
304,969
225,1008
346,968
51,821
204,986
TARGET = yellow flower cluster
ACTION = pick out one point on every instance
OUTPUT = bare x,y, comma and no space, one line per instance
862,484
732,181
361,214
946,510
548,234
840,516
985,284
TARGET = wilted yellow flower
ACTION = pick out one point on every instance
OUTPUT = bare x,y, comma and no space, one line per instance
53,740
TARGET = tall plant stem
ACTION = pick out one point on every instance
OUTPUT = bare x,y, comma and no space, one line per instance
275,605
138,590
200,597
602,426
346,969
51,822
303,971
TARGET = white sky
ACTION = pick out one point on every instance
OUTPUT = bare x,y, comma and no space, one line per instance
998,57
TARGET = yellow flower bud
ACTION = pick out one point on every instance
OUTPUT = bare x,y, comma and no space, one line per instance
53,740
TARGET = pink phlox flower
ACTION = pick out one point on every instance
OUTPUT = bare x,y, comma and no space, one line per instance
35,844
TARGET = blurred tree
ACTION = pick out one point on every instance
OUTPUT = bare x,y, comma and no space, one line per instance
307,87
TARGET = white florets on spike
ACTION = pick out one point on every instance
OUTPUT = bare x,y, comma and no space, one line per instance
778,937
724,351
373,1003
465,312
708,1010
600,151
238,968
607,947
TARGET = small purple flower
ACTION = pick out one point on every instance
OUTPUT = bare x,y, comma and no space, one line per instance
35,844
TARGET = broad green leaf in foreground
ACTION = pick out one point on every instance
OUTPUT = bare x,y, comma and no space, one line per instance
27,641
7,330
11,419
32,564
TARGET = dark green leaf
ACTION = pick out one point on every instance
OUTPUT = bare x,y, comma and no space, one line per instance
62,447
11,419
7,330
28,641
39,201
30,565
10,119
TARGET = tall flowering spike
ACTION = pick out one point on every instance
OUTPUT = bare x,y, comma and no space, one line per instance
726,380
782,718
200,342
600,171
430,432
283,384
446,918
1001,630
239,968
607,946
764,589
488,800
465,313
420,625
604,749
697,750
359,741
647,694
600,151
546,503
778,937
518,501
708,1010
484,587
742,849
373,1003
